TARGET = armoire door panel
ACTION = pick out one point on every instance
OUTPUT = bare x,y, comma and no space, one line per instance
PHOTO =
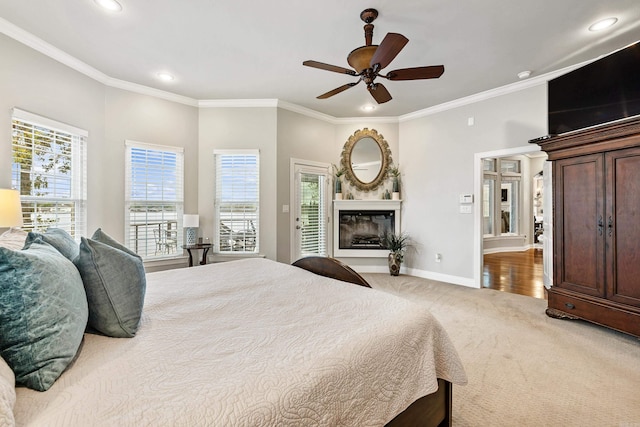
580,223
623,207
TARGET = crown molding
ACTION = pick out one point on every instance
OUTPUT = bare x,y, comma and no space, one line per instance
146,90
64,58
49,50
492,93
53,52
237,103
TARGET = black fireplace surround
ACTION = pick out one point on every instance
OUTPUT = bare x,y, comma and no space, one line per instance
362,229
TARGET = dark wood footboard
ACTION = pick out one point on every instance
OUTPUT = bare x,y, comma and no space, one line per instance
331,267
428,411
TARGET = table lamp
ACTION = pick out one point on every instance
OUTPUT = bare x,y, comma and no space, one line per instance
191,224
10,208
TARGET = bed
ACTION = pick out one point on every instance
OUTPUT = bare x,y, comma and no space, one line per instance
255,343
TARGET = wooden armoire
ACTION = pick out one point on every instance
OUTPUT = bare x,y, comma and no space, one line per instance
596,215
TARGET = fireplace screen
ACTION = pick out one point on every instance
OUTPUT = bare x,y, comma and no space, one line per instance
362,229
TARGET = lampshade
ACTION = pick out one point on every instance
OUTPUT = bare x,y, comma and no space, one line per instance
10,208
190,221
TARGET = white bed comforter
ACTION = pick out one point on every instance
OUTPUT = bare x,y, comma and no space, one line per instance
252,343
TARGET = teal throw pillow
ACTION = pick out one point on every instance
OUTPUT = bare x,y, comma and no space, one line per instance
59,239
115,282
43,313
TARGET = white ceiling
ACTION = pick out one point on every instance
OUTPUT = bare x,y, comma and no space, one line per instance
254,49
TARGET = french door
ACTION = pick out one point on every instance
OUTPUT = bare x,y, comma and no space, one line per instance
310,219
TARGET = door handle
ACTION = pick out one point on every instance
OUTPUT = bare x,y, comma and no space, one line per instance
610,225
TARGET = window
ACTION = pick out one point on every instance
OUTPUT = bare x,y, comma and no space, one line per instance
49,165
237,211
154,199
501,193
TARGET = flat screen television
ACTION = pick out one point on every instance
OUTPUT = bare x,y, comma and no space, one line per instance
603,91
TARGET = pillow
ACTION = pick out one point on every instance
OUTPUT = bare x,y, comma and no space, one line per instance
43,313
115,282
13,239
59,239
7,394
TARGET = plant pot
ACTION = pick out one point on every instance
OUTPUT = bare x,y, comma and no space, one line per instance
394,263
338,196
395,195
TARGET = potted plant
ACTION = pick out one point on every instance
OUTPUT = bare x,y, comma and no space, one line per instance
338,182
397,243
394,173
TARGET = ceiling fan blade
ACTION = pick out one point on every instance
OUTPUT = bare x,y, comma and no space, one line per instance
391,45
337,90
379,93
416,73
328,67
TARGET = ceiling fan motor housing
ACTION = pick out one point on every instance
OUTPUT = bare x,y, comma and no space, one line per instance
360,58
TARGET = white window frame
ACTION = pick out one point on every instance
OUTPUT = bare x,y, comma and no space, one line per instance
155,234
248,238
67,194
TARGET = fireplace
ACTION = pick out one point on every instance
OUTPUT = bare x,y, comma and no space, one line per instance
361,229
358,225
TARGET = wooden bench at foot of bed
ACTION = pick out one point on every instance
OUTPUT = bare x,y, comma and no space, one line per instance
428,411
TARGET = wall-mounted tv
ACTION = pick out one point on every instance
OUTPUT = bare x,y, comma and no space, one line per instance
603,91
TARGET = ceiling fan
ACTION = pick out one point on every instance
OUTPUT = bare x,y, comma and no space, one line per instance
368,60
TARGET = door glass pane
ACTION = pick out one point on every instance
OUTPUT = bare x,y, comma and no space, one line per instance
509,207
510,166
489,165
488,203
312,219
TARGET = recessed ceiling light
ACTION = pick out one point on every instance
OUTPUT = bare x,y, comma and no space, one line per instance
110,5
524,74
165,77
368,107
602,24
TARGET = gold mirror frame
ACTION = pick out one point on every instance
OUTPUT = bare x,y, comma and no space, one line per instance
385,154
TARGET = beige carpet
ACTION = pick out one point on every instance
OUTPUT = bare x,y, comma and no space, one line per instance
524,368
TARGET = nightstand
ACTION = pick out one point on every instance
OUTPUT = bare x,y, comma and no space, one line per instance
200,246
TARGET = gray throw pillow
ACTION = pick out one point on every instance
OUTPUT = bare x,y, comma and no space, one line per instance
43,313
59,239
115,282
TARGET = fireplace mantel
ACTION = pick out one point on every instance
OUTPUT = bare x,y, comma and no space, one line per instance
362,206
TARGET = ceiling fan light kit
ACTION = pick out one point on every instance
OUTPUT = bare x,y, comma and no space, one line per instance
370,59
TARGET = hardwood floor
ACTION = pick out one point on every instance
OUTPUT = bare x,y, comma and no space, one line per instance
515,272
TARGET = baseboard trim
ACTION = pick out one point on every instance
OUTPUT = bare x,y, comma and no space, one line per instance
507,249
431,275
440,277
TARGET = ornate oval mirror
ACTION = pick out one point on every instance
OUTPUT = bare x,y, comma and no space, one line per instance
365,158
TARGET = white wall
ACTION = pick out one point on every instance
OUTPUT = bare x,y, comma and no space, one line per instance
142,118
437,159
240,128
435,152
304,138
35,83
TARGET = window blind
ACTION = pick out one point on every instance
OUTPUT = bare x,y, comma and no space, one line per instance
49,164
154,199
312,215
237,200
